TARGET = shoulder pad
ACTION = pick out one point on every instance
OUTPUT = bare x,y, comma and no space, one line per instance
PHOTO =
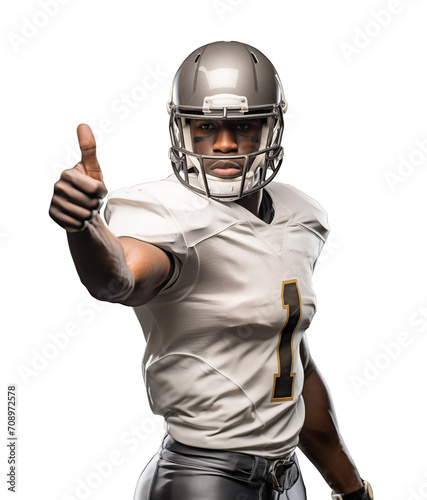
167,209
305,210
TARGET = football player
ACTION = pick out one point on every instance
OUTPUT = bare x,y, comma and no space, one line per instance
217,262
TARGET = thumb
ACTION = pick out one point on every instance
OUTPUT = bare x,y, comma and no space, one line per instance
88,148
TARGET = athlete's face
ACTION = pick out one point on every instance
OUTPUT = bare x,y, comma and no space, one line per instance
225,138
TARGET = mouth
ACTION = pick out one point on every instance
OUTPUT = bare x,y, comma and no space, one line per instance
224,168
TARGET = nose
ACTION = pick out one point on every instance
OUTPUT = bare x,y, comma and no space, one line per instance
225,141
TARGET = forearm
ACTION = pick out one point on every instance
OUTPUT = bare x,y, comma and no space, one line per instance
100,262
124,270
320,439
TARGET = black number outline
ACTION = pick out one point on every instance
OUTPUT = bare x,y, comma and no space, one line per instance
283,383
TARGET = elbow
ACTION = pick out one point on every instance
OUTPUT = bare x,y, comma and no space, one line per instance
116,290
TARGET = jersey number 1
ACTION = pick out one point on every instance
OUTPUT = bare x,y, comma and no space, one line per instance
283,384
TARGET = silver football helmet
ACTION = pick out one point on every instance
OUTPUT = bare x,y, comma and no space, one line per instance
226,81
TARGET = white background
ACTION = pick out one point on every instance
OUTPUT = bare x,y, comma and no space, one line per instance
357,107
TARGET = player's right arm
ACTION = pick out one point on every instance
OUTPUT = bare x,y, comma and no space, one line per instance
123,270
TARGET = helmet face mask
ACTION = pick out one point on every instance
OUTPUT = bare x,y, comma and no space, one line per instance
226,84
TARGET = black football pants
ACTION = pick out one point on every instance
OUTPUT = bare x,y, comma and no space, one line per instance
180,472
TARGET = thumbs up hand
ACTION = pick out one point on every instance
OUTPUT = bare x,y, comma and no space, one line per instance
78,194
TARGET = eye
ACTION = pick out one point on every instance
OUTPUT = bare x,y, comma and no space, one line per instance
244,126
207,126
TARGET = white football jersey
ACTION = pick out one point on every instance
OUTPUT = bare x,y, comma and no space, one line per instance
222,361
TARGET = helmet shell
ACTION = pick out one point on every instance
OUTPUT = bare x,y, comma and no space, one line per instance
226,68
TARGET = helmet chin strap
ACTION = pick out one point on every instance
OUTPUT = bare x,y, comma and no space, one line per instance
221,186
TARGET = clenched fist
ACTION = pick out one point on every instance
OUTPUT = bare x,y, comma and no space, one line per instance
78,194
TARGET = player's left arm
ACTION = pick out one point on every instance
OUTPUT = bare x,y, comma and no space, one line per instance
320,438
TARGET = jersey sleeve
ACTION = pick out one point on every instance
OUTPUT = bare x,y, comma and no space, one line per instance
137,212
316,221
314,218
307,214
